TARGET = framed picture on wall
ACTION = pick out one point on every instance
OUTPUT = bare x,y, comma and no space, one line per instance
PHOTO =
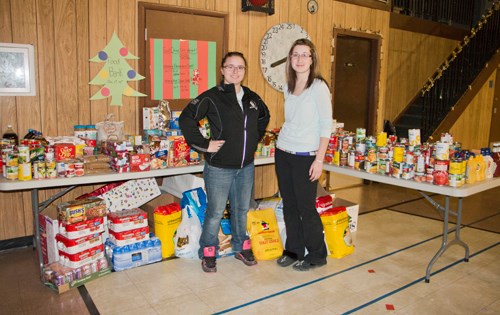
17,70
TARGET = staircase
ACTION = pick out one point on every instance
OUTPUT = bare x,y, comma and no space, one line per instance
449,90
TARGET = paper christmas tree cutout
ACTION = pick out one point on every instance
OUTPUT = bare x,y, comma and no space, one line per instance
115,73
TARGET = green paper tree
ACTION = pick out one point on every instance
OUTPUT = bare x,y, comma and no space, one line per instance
115,73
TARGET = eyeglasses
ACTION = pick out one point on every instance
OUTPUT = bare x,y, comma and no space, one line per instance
233,67
297,56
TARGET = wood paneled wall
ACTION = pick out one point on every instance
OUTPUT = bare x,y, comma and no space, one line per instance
67,33
472,129
413,59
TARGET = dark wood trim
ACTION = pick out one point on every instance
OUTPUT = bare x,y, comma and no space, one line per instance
467,97
417,25
384,5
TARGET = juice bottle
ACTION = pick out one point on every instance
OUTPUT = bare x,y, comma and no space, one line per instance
471,171
11,135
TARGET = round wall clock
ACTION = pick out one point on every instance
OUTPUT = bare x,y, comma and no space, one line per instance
274,50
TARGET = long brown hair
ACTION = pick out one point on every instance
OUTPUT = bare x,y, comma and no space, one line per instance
291,75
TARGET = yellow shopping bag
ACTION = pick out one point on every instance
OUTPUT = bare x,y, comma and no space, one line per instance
264,234
337,232
167,218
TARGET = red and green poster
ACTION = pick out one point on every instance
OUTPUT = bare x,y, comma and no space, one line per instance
181,69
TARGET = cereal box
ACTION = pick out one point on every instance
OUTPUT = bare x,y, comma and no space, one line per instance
179,152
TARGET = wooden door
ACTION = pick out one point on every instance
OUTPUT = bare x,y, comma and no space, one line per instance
355,76
169,22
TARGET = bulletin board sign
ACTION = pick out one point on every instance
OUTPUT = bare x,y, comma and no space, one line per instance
181,69
17,70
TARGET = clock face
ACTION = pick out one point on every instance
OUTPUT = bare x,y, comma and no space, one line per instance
274,50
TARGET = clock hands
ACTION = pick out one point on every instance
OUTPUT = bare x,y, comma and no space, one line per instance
277,63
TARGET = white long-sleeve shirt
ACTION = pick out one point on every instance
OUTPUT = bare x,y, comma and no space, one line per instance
308,117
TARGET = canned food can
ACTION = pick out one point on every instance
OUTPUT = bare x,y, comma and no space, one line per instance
371,155
50,169
11,159
383,153
371,167
414,137
381,139
79,169
360,134
336,158
381,166
361,147
408,171
39,170
441,165
455,180
343,158
455,166
11,172
61,169
23,154
49,156
70,169
410,158
24,171
420,164
442,150
351,158
370,142
397,169
398,154
440,178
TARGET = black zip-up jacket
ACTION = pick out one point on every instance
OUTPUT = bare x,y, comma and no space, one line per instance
242,130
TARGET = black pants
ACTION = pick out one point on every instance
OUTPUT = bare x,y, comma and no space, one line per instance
303,224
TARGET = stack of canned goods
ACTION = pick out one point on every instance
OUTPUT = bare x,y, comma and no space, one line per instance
30,160
439,163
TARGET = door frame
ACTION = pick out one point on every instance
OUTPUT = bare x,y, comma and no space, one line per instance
142,41
374,73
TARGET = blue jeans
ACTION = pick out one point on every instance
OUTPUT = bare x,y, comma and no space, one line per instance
221,184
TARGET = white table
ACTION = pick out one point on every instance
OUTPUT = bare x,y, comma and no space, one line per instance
423,188
70,183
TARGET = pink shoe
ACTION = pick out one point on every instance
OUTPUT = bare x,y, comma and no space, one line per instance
208,262
246,255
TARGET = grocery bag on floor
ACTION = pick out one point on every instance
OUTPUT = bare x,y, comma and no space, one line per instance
197,200
264,234
187,237
337,232
166,219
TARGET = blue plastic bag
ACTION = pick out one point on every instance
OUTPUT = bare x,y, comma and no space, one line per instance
197,200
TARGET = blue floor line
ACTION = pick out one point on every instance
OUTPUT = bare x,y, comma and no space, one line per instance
416,281
325,277
356,266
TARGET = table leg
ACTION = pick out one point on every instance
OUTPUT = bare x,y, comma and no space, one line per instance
444,244
36,228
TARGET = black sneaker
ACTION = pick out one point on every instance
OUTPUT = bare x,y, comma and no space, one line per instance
303,265
285,261
208,264
246,256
